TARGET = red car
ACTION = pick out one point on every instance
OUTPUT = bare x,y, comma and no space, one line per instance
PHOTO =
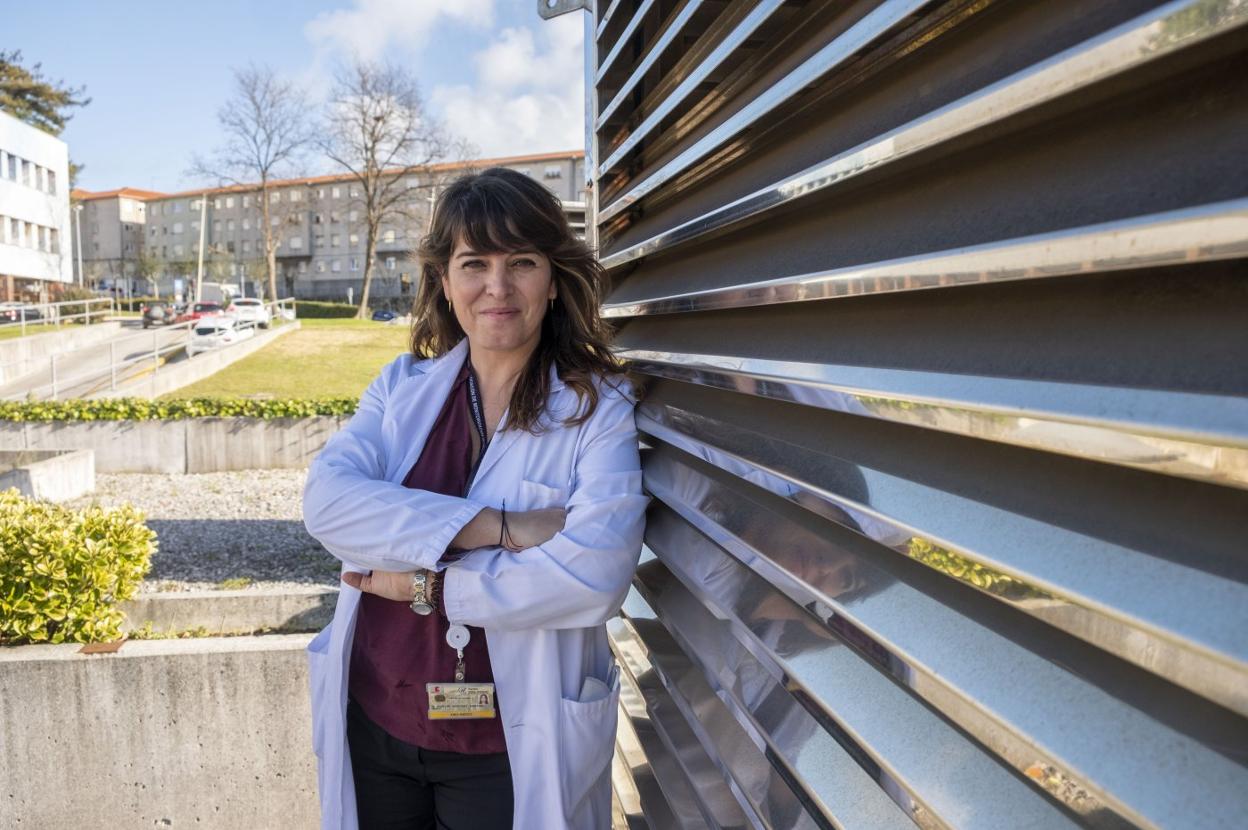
200,310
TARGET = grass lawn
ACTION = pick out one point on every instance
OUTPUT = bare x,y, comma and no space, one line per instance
31,328
324,359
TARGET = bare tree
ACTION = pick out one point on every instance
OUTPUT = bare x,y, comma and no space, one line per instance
379,132
266,133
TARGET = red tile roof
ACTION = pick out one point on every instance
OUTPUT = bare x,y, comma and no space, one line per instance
343,177
80,195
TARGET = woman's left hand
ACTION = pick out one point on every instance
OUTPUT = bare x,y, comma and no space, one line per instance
389,584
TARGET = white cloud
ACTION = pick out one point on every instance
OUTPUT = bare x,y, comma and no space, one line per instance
528,95
367,29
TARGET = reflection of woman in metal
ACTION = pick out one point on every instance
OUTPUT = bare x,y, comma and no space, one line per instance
490,483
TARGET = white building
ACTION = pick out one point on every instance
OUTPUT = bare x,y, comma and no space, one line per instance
35,243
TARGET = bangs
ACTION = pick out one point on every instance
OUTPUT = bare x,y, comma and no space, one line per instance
494,217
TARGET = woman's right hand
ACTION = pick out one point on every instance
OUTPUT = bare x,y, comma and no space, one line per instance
534,527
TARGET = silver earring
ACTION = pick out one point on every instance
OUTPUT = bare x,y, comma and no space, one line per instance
449,306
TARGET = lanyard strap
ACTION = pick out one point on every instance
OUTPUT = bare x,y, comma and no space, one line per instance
478,415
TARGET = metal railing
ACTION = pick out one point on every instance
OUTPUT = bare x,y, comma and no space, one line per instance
130,356
42,315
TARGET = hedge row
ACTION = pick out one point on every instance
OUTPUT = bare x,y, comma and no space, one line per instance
143,409
319,310
63,573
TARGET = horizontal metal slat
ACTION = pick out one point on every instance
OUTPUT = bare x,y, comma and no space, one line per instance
629,29
717,56
1204,233
878,25
1148,611
1201,437
933,772
661,791
1125,48
1036,715
714,796
750,736
670,31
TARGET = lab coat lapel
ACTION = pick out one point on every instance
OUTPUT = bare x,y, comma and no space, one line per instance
414,406
504,438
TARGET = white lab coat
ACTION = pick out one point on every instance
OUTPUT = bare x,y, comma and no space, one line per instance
543,609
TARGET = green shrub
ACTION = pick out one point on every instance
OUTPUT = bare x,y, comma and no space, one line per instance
311,308
64,572
143,409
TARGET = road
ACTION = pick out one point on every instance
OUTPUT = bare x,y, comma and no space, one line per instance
83,372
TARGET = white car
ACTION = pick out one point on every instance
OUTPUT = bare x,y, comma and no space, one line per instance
250,311
215,332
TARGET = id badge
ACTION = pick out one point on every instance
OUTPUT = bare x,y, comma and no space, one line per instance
458,701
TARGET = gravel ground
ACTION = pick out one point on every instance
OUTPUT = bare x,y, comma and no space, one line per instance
212,527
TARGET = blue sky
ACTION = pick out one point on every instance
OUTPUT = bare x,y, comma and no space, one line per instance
492,70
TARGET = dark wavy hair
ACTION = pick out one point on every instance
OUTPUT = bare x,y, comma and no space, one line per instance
496,211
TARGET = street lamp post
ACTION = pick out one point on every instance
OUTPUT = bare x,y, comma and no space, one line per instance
78,243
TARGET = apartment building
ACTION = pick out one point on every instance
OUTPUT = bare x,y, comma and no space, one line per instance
111,224
34,213
320,227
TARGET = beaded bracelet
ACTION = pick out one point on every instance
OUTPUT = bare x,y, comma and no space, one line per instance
435,590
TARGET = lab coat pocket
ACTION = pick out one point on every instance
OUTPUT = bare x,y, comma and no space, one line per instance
318,682
587,739
534,495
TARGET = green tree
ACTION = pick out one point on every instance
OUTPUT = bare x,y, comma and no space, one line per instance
27,95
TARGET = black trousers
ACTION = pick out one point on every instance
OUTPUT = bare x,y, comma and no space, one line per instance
401,786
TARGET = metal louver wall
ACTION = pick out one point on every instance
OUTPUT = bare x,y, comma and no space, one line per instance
941,314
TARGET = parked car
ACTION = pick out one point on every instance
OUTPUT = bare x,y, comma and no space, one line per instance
199,310
15,312
385,315
251,311
159,314
215,331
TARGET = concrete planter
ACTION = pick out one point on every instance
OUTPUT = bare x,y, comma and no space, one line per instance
232,612
211,733
55,475
192,445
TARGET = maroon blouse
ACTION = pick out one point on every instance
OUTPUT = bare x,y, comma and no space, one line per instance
395,651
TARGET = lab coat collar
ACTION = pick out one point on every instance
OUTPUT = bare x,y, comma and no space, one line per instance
445,367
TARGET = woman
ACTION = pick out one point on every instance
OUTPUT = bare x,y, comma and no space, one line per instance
486,503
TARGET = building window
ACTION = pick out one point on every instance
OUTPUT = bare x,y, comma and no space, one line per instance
303,266
320,266
355,192
194,224
336,267
354,239
177,207
355,264
52,182
229,201
229,225
317,219
552,171
246,201
229,246
336,192
320,193
353,216
296,196
335,217
246,246
335,240
387,235
274,197
216,226
246,223
390,263
216,203
275,221
195,204
177,227
177,250
296,242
